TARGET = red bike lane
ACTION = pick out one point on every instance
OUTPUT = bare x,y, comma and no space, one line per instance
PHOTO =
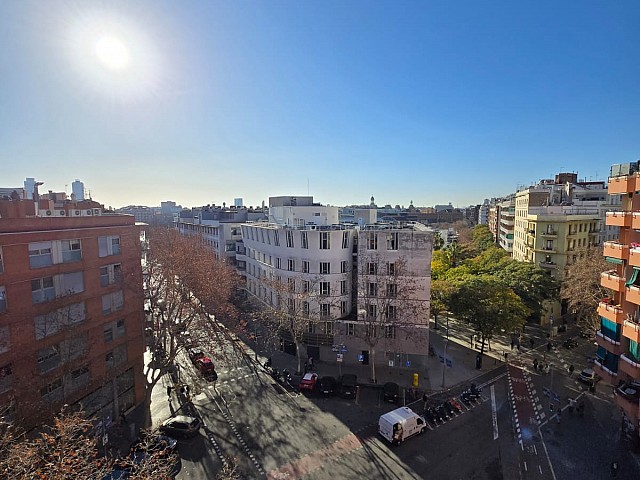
522,403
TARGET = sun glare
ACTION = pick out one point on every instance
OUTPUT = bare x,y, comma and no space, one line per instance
112,53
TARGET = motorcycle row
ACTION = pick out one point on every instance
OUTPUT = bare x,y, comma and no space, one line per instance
452,407
283,376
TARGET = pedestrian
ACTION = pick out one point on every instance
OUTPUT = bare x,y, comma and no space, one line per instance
531,342
535,364
183,391
186,390
424,399
310,363
169,391
549,347
506,356
512,344
470,341
571,370
558,416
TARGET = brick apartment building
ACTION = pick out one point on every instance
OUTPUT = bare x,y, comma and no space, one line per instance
71,310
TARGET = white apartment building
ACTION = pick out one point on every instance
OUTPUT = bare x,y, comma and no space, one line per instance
322,261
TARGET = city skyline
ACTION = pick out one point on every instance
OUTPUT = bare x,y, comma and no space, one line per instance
152,101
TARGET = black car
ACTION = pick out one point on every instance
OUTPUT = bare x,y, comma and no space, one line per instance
180,426
348,385
328,385
391,392
570,343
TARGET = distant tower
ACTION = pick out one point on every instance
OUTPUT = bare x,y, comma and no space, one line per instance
373,202
237,202
29,187
77,188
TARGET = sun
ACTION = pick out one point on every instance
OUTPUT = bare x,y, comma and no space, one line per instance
112,53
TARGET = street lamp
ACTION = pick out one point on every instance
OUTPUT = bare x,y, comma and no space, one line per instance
444,359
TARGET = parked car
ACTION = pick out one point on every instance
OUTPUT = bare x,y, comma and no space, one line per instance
195,353
391,392
328,385
161,444
589,377
348,383
205,365
570,343
308,382
180,426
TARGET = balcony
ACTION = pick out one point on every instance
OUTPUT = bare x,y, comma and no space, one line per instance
619,219
631,330
548,265
627,397
607,376
633,294
611,312
623,184
549,233
635,221
617,250
612,281
547,250
629,366
609,344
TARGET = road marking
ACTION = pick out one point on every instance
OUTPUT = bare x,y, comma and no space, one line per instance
494,414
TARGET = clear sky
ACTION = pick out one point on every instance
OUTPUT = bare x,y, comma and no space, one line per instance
204,101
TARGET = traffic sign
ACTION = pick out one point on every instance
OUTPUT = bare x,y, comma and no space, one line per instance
343,349
339,358
361,358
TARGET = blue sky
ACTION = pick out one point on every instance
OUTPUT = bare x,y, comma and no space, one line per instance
432,101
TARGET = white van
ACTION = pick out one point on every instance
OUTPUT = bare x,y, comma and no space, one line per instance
399,424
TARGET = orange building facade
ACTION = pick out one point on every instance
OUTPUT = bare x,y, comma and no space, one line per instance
71,311
618,354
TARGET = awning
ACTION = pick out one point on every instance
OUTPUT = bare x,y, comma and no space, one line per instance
633,278
617,261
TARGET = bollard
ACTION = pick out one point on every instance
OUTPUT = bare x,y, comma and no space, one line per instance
357,394
415,380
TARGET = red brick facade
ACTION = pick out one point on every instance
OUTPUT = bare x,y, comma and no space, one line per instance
87,269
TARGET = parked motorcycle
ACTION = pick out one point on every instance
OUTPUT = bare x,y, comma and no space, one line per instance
455,405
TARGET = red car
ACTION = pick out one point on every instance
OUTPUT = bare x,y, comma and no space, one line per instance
205,365
308,382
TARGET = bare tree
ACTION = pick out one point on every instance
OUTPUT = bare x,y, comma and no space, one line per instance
390,301
298,306
581,287
68,449
187,289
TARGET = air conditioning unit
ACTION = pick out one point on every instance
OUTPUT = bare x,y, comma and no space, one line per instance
96,211
89,212
49,213
63,213
77,213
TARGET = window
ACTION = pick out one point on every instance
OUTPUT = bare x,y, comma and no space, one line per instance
117,356
372,289
40,254
305,266
391,312
278,263
327,328
79,377
392,241
112,302
305,309
113,330
310,328
372,311
325,310
391,268
6,378
110,274
52,392
291,285
392,290
344,307
372,268
1,264
48,358
48,288
5,339
42,290
343,287
390,331
325,268
325,288
52,322
325,241
372,241
291,265
292,306
289,239
344,267
345,239
3,300
372,331
304,240
351,329
276,238
108,246
71,250
305,286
